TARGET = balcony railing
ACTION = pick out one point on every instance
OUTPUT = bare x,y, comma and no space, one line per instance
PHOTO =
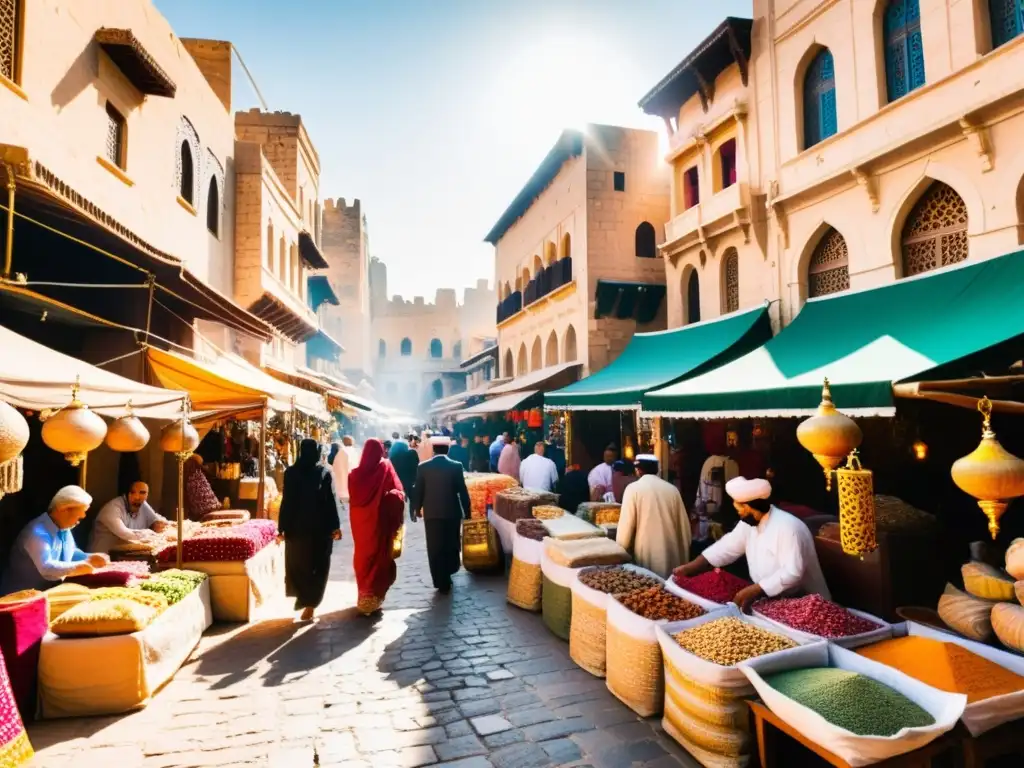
549,280
509,306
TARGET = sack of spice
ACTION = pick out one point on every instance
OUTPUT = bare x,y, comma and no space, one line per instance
970,616
590,594
524,578
910,712
992,679
517,503
710,590
988,583
812,617
556,595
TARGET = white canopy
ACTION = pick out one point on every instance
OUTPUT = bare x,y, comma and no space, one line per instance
33,376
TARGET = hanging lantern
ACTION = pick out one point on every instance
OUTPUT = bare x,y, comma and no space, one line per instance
179,437
989,473
127,434
857,529
920,450
73,430
829,435
13,439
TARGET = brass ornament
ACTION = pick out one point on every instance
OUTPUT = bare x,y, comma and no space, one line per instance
857,528
73,430
990,473
829,435
127,434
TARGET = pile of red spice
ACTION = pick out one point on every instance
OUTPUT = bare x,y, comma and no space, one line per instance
716,585
815,615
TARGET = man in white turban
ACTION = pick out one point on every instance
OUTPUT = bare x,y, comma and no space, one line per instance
780,549
45,552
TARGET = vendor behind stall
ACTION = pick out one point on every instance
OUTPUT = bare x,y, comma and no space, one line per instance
600,477
779,547
127,518
45,552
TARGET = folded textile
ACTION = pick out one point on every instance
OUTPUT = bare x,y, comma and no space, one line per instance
234,544
577,553
125,573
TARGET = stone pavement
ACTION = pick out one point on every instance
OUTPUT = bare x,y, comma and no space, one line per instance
463,680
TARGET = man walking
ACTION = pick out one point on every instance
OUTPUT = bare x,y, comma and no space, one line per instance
405,461
653,525
442,500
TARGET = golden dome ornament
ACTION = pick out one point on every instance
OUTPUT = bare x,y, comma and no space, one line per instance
829,435
73,430
13,439
990,473
180,437
127,434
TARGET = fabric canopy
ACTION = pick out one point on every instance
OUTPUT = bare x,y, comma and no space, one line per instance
497,405
230,383
534,380
36,377
923,327
656,359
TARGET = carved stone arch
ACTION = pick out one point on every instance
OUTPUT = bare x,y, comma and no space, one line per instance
536,355
570,351
689,288
551,352
187,135
730,280
508,371
214,169
810,251
799,81
522,363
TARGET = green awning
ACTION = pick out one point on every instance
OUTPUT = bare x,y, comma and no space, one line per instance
656,359
957,320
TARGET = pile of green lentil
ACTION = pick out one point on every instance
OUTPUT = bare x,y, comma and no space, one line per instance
850,700
173,584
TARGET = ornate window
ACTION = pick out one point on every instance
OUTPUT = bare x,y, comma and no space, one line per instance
10,38
820,120
727,164
436,350
693,298
187,170
691,188
406,348
731,272
904,54
187,181
1007,20
213,208
935,234
117,133
645,241
829,270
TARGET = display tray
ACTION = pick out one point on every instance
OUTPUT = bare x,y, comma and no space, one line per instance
89,676
238,589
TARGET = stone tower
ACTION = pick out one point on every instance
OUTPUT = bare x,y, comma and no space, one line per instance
346,244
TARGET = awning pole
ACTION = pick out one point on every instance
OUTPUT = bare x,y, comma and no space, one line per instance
83,472
261,488
181,457
9,244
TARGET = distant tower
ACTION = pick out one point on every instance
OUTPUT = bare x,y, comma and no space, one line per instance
378,287
346,246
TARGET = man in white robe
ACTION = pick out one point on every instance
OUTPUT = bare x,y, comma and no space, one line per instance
779,548
600,477
653,524
128,518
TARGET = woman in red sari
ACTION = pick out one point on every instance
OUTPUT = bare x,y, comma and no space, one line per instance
377,506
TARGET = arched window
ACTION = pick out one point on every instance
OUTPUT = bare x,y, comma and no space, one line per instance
437,389
644,241
569,344
406,348
904,54
566,246
457,350
935,234
436,349
538,266
550,253
508,371
692,298
213,208
187,190
519,284
731,281
829,268
551,353
526,277
725,168
382,349
521,362
536,360
1007,20
819,94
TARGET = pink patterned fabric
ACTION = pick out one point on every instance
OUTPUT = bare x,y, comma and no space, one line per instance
234,544
22,627
15,749
125,573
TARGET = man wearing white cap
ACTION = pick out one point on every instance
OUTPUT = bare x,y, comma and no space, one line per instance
44,552
653,524
779,547
441,498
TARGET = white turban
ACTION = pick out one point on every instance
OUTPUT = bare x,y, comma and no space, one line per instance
69,494
440,440
745,491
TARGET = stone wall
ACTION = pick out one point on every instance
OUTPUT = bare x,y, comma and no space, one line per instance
345,244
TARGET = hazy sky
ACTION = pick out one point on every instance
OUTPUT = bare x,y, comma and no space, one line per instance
435,112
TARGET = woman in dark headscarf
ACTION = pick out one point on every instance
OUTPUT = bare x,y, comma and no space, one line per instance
310,524
376,509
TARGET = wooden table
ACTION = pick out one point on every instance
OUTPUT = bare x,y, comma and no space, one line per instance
768,725
1003,741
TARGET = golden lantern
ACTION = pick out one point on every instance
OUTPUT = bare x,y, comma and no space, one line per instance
13,439
73,430
179,437
989,473
920,450
127,434
829,435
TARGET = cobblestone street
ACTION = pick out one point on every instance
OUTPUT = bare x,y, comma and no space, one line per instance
463,680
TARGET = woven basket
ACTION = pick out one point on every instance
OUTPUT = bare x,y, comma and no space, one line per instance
674,725
587,636
556,608
719,740
635,672
713,705
525,586
480,549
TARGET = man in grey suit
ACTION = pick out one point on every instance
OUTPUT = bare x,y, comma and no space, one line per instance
440,497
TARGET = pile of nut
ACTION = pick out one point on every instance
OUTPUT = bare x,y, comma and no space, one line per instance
616,580
530,528
729,641
656,604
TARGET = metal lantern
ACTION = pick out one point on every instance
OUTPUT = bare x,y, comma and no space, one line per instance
989,473
857,529
127,434
73,430
13,432
179,437
829,435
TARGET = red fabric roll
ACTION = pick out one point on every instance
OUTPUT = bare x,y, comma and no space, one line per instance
22,627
